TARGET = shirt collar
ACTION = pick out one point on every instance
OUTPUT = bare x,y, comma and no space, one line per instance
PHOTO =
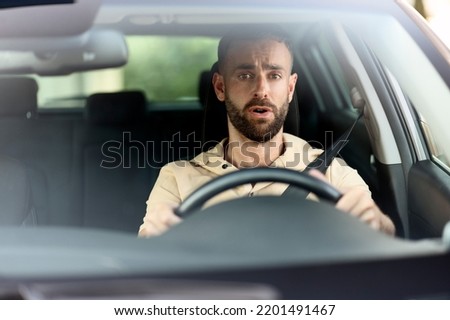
298,153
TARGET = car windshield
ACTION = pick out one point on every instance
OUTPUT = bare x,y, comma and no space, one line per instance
155,61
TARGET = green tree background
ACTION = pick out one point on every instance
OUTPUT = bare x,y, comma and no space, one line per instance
168,68
420,7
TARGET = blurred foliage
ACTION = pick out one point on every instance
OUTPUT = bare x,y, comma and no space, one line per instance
167,69
420,7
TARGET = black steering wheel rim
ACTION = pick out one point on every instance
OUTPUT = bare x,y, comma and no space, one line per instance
298,179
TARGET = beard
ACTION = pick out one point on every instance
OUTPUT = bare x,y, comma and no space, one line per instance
261,130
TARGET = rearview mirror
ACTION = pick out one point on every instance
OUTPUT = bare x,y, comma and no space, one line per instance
49,20
97,49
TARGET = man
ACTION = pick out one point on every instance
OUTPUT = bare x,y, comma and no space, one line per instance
256,82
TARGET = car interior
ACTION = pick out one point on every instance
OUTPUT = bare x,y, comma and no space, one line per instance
63,153
74,182
94,165
92,109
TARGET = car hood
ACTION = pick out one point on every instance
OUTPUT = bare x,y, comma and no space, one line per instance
234,235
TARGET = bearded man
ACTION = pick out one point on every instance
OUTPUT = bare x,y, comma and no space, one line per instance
256,83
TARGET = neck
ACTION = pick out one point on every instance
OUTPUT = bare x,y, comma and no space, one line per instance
245,153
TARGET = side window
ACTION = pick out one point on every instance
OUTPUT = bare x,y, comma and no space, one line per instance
434,148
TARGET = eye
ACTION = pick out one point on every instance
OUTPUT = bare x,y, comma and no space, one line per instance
275,76
245,76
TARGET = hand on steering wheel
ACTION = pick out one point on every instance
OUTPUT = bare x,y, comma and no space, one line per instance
243,176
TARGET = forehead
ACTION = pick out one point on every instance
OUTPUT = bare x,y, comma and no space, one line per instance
256,51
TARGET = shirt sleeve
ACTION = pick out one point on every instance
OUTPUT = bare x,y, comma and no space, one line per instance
342,176
165,190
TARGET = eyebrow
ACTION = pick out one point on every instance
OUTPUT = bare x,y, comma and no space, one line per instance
266,66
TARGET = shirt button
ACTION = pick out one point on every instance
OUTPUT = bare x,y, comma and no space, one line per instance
224,166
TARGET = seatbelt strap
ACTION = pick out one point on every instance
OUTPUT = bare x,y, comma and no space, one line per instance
323,161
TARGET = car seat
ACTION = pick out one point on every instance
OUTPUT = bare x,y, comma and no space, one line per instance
18,97
15,196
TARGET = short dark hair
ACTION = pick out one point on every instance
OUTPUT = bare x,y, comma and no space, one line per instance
251,33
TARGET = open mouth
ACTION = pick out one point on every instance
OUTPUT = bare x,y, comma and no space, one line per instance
260,110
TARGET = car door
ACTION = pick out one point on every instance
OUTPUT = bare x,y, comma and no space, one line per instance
428,174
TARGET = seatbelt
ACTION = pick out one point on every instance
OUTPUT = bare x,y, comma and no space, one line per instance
323,161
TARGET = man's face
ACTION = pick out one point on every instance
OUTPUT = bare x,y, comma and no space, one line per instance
256,85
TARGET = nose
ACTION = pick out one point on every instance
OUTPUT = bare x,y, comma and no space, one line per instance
261,88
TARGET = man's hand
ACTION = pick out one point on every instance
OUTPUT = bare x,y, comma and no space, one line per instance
158,220
359,204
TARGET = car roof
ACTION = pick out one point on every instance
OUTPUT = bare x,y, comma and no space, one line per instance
180,17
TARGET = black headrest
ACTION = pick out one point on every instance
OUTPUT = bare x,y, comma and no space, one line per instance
203,86
116,108
18,97
215,126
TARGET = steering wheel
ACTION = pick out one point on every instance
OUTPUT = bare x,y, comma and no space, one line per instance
298,179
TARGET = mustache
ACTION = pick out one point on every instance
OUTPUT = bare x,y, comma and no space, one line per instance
260,102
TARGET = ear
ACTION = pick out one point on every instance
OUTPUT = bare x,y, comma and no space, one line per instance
219,86
292,81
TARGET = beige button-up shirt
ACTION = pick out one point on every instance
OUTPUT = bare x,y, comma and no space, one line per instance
179,179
